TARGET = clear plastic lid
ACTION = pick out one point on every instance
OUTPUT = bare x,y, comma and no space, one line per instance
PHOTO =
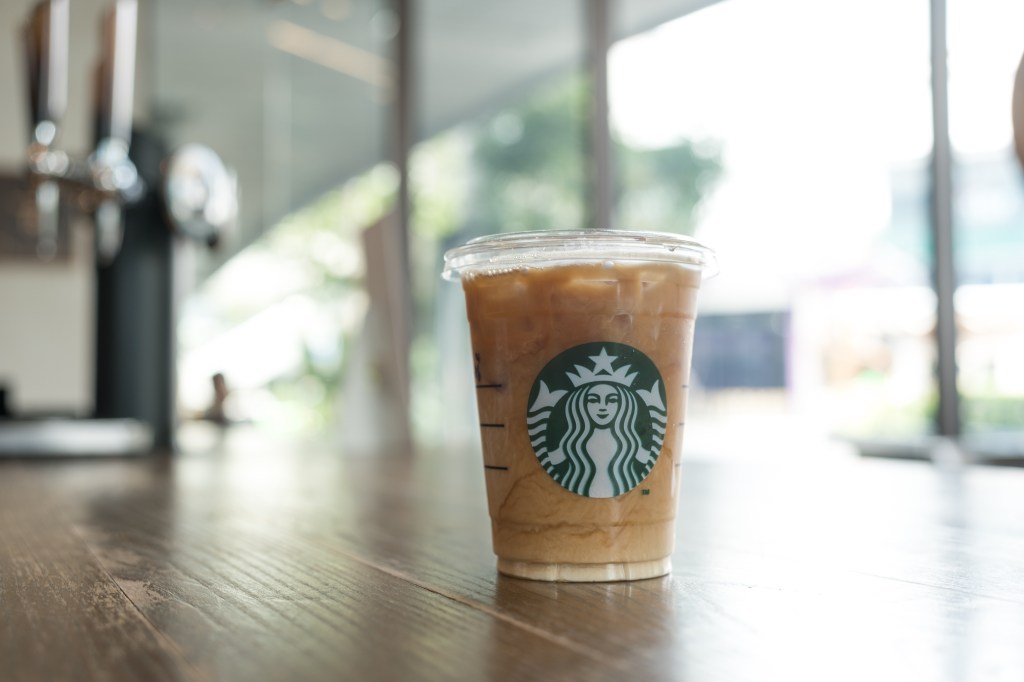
554,247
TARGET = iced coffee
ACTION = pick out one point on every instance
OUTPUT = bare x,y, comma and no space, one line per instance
581,349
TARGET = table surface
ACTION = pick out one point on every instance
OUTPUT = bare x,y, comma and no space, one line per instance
254,561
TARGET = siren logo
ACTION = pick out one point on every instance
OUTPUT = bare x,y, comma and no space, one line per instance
597,418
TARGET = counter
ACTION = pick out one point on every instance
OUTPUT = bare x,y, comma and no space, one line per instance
246,559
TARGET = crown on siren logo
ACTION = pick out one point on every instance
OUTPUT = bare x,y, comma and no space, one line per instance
602,372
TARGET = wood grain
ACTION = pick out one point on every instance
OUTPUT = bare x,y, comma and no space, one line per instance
63,618
256,560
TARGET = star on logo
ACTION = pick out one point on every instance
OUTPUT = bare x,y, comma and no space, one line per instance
603,361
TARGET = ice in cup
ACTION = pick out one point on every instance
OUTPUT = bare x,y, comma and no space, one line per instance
581,348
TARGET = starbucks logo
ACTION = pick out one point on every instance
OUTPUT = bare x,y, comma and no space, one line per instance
597,418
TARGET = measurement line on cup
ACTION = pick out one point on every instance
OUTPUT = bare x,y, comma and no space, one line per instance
493,426
495,467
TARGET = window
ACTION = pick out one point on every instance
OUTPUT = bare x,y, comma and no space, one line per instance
984,51
800,152
519,163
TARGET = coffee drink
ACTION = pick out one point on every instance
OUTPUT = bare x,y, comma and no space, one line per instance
582,366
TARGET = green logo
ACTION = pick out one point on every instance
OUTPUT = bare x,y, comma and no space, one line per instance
597,418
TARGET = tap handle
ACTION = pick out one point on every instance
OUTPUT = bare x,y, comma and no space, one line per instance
45,37
116,74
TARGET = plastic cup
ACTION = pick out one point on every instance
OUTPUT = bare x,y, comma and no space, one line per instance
581,348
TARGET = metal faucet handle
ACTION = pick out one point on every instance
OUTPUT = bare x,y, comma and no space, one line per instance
200,194
116,71
45,38
113,173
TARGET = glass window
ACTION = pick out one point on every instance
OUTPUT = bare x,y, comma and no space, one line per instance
515,161
295,96
283,319
794,137
985,48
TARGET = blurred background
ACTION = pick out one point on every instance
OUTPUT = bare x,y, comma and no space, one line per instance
851,163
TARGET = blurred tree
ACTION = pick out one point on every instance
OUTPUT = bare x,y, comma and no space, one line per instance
530,163
662,189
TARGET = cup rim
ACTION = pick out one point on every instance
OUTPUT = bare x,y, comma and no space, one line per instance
544,248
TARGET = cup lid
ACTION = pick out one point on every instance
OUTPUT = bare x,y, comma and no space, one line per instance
552,247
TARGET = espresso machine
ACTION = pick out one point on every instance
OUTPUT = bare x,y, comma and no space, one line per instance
145,203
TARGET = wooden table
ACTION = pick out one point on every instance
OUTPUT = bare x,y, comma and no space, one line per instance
249,561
